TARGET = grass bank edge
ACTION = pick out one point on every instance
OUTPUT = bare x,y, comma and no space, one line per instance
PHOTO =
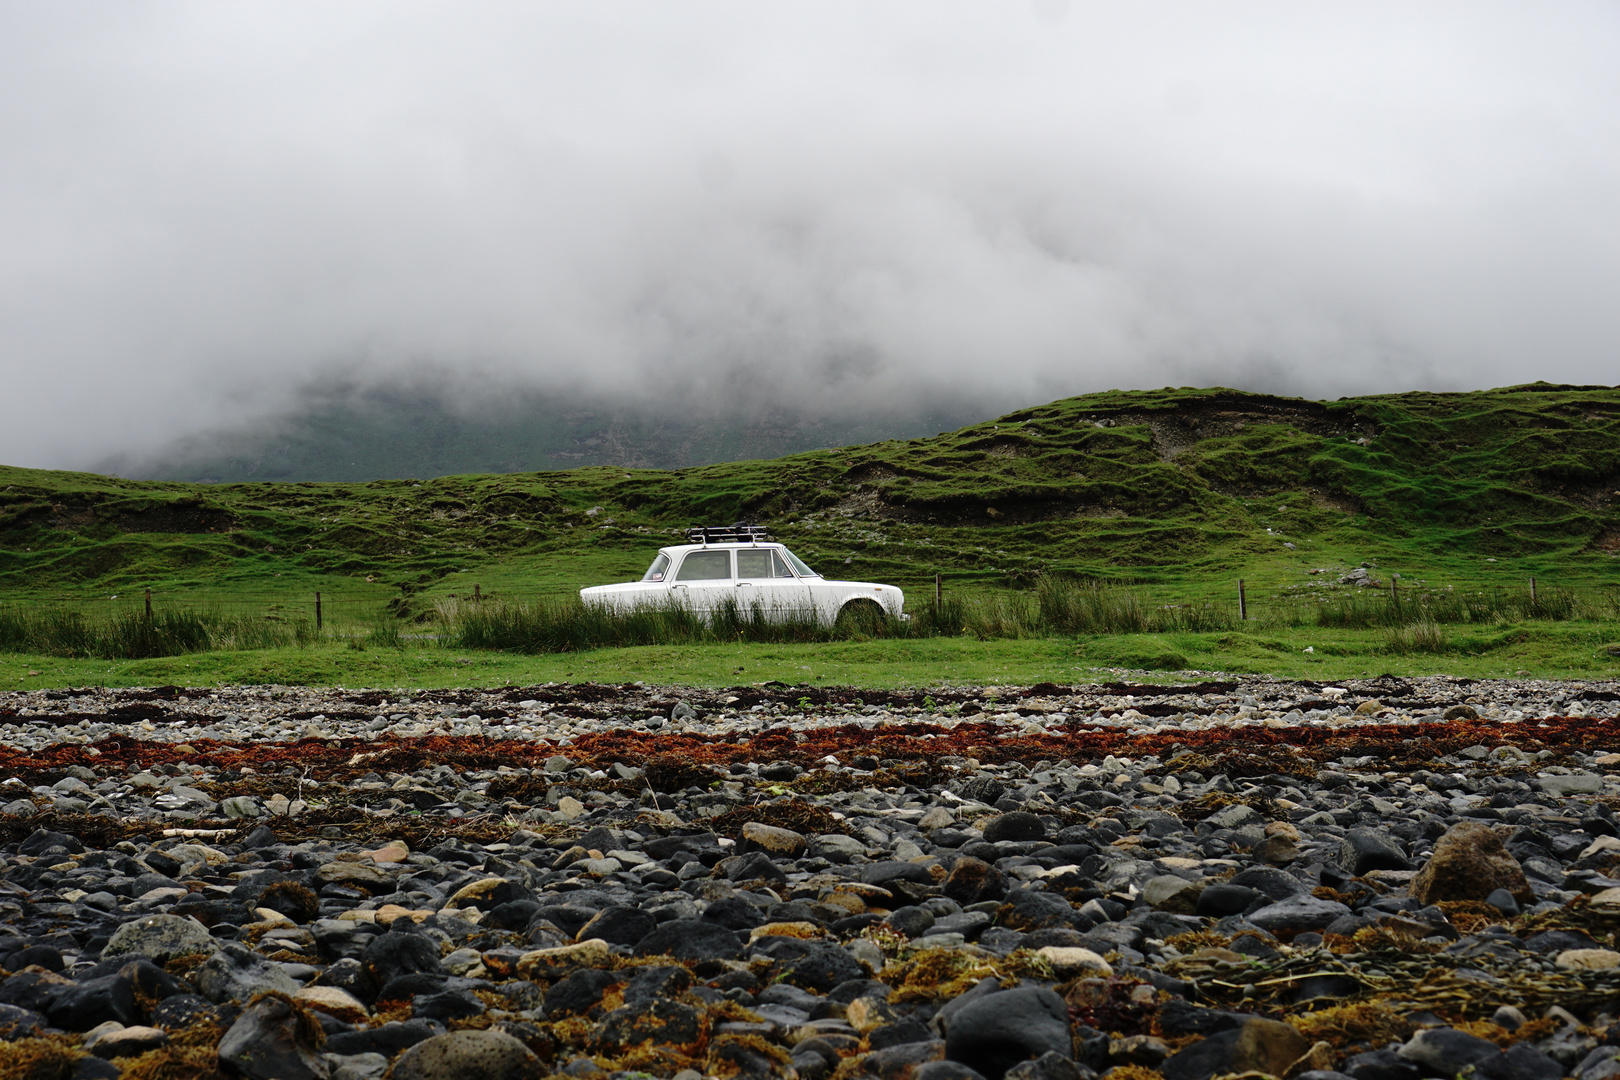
1525,651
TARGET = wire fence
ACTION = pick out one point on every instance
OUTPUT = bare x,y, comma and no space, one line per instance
1054,604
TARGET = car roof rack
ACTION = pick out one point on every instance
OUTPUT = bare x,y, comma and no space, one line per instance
740,533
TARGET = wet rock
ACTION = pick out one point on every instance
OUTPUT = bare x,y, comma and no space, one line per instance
271,1040
400,952
666,1023
973,881
994,1032
1365,850
1016,825
236,973
691,939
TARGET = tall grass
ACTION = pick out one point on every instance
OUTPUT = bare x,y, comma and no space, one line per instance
1422,636
133,635
1358,611
565,624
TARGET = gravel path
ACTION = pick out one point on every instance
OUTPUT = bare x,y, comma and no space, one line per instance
1385,879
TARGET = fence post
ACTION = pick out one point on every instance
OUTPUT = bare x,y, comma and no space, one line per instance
1394,594
939,593
317,613
1533,592
478,594
1243,603
149,605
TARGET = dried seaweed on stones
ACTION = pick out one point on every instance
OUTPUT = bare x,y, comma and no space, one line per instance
1108,1004
49,1057
796,814
1374,1022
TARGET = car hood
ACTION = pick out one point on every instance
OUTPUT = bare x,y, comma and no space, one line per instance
623,586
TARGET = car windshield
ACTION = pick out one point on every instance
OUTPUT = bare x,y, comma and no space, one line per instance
655,572
799,564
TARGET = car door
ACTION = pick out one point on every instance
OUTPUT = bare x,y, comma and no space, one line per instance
702,578
763,577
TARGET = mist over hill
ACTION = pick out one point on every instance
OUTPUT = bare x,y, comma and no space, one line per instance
349,432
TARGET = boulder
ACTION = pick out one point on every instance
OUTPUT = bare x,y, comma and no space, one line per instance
1469,863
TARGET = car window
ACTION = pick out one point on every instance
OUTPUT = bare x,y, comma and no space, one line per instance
705,566
781,566
755,563
659,567
799,565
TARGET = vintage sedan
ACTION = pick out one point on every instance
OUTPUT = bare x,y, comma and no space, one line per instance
741,565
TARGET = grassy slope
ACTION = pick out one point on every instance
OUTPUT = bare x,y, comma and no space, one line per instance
1184,490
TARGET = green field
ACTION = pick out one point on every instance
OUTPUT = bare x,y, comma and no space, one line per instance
1175,495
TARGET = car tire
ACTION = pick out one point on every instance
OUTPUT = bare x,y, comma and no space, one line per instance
862,618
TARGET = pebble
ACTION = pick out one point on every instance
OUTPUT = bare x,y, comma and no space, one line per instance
1153,880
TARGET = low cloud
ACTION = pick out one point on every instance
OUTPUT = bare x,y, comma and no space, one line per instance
832,207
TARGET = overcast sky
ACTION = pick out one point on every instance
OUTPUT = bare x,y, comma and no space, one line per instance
204,207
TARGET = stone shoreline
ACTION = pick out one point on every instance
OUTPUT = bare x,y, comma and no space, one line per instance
1384,878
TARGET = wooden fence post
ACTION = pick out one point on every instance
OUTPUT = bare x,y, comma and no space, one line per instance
1243,603
149,604
317,612
1532,592
939,593
478,594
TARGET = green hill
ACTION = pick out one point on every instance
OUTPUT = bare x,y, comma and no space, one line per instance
1184,489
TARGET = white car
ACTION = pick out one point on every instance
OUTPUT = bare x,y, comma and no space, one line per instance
741,564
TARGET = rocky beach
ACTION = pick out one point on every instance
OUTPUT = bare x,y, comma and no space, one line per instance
1383,879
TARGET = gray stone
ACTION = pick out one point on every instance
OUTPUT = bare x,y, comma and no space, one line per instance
160,938
1573,784
469,1055
236,973
1297,914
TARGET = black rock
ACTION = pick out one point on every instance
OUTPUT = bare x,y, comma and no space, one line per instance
754,866
663,1022
400,952
1029,909
691,939
577,994
1180,1018
183,1010
973,880
387,1039
1203,1059
911,921
1016,825
647,983
734,913
903,1031
1221,900
1364,850
996,1031
19,1023
619,926
1277,884
81,1006
43,841
810,965
446,1005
